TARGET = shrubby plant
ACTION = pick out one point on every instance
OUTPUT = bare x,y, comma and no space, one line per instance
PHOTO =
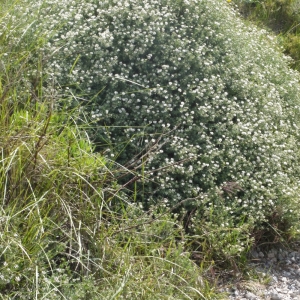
67,229
205,106
211,101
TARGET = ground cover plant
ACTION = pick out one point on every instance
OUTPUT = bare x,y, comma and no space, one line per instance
203,106
195,119
282,17
68,231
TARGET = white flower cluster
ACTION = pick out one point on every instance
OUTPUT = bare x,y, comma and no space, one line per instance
216,91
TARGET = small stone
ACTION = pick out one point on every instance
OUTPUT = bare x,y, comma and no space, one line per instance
275,296
273,260
295,294
281,291
250,296
254,254
275,279
271,255
260,254
293,254
283,279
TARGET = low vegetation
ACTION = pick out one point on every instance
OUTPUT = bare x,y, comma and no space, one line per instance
280,16
146,147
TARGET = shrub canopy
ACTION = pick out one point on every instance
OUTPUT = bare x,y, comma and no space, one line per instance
189,82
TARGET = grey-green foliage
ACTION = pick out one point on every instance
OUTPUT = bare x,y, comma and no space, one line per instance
191,79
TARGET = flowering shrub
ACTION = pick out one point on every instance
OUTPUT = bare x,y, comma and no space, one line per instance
212,99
